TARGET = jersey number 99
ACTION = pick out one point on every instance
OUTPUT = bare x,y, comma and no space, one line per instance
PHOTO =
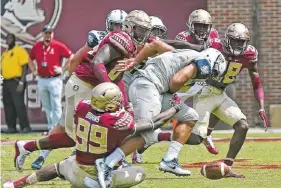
91,133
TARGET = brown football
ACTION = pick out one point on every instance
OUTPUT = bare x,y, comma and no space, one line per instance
215,170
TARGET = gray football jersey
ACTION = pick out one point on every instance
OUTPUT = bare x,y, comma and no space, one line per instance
162,68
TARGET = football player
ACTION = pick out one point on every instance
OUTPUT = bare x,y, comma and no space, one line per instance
151,92
96,68
114,22
158,31
101,123
199,31
239,55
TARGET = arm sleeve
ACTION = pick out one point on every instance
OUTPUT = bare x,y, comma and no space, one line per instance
65,51
32,52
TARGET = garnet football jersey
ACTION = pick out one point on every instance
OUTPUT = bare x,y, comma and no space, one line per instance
235,65
98,134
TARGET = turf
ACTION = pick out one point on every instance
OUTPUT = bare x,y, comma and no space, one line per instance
260,162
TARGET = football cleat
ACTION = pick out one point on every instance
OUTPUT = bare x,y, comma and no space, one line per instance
8,184
37,164
210,145
104,173
16,184
20,155
173,167
136,157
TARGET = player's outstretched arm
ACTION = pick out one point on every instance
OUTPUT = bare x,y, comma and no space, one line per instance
156,121
259,93
77,58
182,76
149,49
177,44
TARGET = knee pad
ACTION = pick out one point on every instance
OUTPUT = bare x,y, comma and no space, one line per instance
194,139
150,137
241,125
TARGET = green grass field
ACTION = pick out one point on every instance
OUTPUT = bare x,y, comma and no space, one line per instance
260,162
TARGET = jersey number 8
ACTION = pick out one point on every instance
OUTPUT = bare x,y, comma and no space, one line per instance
89,134
232,71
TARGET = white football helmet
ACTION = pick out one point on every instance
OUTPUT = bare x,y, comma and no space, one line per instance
236,38
158,28
217,62
106,97
137,24
200,24
115,16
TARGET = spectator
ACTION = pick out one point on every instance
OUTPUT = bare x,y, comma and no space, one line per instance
14,68
48,55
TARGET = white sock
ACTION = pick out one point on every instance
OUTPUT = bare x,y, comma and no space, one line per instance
114,157
45,153
173,151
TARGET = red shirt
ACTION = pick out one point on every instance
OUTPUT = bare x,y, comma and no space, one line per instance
48,57
98,134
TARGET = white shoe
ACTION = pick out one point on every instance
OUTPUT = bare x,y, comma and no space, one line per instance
173,167
104,173
20,155
8,184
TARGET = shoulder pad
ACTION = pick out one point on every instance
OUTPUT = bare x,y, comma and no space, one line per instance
214,33
183,35
215,43
121,41
251,53
124,120
95,37
81,104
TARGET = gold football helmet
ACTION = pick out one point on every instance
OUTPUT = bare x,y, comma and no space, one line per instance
106,97
200,24
158,28
236,38
137,25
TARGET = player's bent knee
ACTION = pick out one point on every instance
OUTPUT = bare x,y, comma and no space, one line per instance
241,125
150,137
194,139
57,129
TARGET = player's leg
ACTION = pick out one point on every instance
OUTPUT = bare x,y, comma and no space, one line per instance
45,174
61,135
186,117
204,105
231,114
